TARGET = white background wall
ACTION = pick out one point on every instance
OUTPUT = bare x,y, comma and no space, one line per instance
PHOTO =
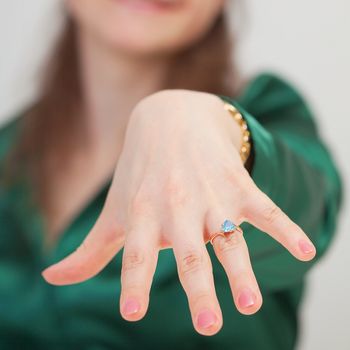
307,41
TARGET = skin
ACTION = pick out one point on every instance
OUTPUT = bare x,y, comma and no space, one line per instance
178,171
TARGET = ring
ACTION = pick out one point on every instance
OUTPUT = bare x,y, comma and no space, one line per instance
227,227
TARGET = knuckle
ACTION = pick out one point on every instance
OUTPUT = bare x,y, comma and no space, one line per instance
229,243
191,262
132,260
175,192
140,203
131,288
238,181
242,192
201,297
271,213
113,234
234,174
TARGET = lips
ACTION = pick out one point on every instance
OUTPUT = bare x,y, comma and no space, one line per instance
152,5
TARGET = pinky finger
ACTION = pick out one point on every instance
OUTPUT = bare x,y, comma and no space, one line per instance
264,214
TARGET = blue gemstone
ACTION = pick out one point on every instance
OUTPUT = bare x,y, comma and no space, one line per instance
228,226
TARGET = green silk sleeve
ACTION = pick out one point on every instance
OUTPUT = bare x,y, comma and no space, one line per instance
295,168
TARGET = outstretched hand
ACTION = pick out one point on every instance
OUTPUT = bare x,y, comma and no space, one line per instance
179,176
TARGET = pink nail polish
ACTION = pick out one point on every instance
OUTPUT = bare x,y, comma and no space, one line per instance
246,298
130,307
306,247
206,319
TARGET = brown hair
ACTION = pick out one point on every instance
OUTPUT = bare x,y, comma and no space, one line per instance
53,124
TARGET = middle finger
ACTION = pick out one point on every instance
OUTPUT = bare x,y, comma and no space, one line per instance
196,276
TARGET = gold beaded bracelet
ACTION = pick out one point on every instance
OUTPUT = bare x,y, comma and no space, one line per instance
246,145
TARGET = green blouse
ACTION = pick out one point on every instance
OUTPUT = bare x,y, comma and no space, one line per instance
292,165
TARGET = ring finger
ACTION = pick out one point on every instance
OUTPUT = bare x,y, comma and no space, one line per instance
233,254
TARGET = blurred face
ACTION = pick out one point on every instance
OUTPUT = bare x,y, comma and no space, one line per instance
145,26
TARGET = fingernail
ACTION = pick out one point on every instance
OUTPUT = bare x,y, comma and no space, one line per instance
306,247
130,307
206,319
246,298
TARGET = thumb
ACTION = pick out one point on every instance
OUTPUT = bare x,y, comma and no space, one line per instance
99,247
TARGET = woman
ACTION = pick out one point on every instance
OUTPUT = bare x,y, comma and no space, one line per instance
127,166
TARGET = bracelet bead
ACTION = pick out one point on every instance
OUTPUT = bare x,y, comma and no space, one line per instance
246,145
